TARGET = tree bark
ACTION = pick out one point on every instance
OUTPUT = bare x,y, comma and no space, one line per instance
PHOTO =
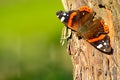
89,63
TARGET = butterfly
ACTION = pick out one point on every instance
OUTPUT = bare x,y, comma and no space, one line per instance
93,30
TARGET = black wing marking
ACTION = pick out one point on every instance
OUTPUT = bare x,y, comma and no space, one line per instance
103,45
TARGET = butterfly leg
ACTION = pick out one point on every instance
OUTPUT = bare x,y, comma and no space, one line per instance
66,33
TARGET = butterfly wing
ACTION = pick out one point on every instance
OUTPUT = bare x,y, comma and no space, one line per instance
96,33
103,44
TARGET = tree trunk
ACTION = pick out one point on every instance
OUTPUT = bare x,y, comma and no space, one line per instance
89,63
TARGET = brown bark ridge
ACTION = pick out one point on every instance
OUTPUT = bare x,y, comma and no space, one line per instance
89,63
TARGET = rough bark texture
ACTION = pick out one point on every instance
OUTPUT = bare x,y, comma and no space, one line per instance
89,63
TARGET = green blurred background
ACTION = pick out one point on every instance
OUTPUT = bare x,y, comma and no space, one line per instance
29,41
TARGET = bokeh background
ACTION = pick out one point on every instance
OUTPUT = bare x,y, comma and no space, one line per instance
29,41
